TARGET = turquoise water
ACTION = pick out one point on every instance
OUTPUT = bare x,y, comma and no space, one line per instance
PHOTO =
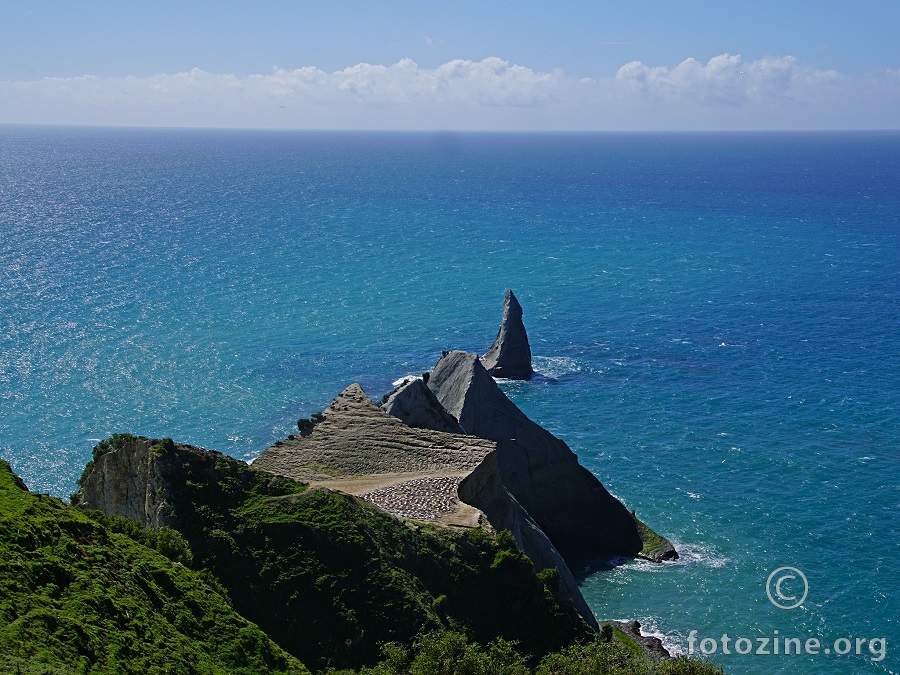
720,314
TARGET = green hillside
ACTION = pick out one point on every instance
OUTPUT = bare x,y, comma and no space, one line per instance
330,577
265,574
77,596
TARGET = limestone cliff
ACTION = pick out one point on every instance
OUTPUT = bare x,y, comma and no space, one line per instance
484,489
566,500
510,355
416,405
135,484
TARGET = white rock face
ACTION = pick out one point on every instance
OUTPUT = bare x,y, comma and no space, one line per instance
129,482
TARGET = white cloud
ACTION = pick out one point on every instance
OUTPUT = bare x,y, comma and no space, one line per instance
724,92
492,81
725,79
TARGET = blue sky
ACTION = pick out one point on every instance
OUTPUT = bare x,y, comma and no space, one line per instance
467,65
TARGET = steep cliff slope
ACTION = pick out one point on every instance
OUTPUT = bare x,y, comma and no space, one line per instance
327,576
354,443
79,593
416,405
566,500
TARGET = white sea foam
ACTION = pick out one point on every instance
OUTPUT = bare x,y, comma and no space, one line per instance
406,378
692,495
555,366
672,642
699,554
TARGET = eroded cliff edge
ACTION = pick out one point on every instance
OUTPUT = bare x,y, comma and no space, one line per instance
355,447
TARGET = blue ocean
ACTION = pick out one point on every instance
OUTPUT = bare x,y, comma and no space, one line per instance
717,317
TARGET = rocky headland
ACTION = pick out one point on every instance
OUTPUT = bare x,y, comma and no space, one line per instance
455,425
327,576
448,452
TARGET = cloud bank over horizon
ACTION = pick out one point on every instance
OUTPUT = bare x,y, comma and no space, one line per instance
725,92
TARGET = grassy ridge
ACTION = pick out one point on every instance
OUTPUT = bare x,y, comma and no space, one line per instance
330,577
78,597
325,575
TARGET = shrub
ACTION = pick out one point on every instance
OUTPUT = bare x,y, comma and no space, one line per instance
306,424
163,446
506,541
550,577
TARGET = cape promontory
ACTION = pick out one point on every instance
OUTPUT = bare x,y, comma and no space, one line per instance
441,508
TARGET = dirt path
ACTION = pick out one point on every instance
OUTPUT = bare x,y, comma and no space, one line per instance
429,496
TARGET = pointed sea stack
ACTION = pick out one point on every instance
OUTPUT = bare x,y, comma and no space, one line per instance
510,355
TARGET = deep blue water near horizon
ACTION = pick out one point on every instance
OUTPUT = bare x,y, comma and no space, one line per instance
718,313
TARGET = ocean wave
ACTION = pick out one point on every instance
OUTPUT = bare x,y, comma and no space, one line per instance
555,366
699,554
692,495
406,378
672,642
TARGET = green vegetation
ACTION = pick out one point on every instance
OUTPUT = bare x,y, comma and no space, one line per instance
264,574
165,540
164,446
305,424
626,642
550,578
79,594
451,653
599,657
652,541
330,577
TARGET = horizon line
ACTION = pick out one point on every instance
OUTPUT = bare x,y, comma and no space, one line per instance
438,130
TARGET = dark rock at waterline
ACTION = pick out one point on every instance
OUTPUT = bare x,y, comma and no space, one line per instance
652,646
510,355
566,500
484,489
